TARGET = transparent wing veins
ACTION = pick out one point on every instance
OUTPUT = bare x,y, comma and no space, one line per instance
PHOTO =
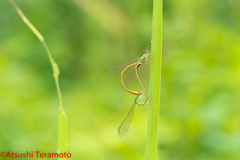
123,128
116,70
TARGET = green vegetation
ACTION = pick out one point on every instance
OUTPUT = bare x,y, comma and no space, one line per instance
155,82
200,89
62,115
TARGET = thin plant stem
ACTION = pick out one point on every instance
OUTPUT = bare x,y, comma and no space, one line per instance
155,82
62,115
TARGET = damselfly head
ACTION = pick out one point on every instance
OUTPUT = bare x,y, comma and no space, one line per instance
141,98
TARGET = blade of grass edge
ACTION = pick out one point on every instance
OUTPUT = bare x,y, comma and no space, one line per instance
155,82
62,115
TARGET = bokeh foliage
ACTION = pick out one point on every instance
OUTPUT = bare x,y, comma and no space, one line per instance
199,115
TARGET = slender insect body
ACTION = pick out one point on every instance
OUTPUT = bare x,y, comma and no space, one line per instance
142,97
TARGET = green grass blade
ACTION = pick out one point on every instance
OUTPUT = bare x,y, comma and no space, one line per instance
62,116
155,82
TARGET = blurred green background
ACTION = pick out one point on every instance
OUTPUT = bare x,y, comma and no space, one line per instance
199,114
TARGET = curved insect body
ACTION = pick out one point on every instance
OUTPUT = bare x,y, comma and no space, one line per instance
147,56
141,98
133,64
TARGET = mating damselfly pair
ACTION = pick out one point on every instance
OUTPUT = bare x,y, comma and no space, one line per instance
142,96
